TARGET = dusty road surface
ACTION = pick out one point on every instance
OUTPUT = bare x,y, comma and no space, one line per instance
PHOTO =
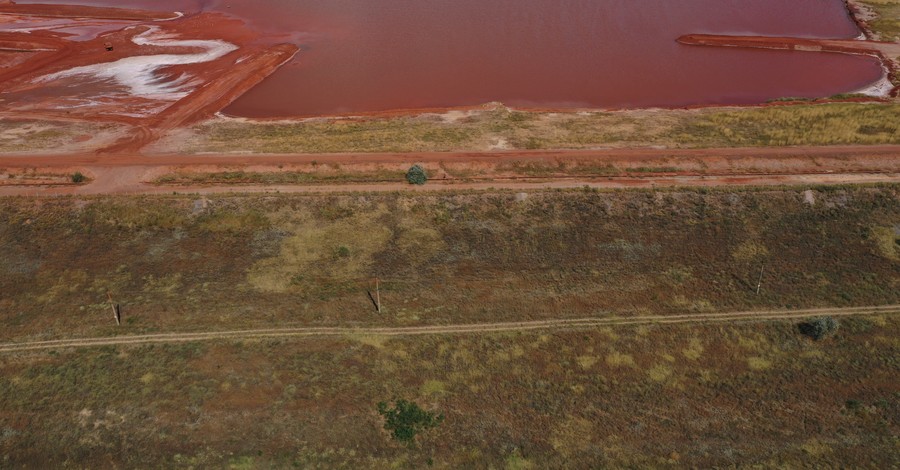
135,174
562,324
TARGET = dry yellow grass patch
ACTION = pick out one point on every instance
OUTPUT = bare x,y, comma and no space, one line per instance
616,359
660,372
694,349
317,250
887,242
759,363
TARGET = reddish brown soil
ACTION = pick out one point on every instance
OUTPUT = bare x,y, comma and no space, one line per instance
221,81
133,174
48,51
204,103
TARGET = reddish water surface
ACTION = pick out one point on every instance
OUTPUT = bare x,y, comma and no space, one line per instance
376,55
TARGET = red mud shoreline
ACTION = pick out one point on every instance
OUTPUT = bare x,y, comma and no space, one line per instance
78,11
235,74
884,51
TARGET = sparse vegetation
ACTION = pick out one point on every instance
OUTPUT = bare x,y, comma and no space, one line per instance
519,398
77,177
319,175
807,124
275,258
545,399
43,136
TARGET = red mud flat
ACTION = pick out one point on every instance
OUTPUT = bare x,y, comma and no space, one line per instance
150,73
204,103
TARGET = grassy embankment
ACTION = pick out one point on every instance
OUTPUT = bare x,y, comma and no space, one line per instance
829,124
185,262
694,395
887,23
53,136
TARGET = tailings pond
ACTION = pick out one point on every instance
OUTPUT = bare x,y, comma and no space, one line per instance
377,55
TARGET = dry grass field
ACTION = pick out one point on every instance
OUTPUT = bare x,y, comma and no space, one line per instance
183,262
685,396
501,128
654,395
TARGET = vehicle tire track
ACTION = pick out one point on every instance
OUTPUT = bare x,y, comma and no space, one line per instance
474,328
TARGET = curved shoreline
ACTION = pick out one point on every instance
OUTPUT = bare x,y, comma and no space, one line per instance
883,51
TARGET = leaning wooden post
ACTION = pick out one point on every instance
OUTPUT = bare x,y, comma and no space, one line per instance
377,297
759,283
115,309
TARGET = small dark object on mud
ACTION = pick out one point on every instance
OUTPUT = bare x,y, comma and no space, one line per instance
416,175
108,46
818,328
77,177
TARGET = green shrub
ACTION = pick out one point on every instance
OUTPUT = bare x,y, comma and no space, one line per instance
416,175
77,177
406,419
818,328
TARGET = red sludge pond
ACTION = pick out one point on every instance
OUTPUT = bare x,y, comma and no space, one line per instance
377,55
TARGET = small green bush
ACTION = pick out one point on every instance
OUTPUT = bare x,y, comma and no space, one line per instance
77,177
341,252
818,328
406,419
416,175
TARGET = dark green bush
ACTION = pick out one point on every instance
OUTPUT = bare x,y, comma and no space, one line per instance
818,328
77,177
416,175
406,419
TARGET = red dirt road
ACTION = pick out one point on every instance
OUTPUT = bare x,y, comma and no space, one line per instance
840,152
133,174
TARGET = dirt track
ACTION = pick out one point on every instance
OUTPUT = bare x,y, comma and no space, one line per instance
133,174
573,324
